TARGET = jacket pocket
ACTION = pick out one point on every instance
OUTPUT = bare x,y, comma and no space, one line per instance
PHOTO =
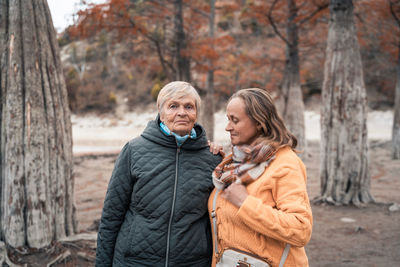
130,237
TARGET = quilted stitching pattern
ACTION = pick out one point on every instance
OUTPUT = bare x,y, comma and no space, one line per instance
137,207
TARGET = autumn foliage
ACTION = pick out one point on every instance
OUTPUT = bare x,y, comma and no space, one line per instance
247,51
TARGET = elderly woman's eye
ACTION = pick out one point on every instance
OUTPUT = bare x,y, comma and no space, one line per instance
189,107
172,106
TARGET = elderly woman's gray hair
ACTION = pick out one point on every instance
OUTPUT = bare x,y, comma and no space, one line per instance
175,90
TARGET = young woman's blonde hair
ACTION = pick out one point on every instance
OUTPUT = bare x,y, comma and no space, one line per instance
261,109
176,90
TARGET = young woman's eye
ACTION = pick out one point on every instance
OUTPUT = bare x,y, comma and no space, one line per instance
233,120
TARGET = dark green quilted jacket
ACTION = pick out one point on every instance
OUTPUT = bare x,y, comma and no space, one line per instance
155,210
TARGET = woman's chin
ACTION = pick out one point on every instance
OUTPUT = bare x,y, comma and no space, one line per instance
233,141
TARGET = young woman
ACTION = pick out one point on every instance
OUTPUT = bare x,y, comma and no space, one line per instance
262,206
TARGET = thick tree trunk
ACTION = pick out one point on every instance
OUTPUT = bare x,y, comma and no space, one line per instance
36,140
344,144
208,107
291,106
396,119
182,61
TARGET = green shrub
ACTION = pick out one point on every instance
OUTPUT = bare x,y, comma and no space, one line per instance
156,89
90,54
112,97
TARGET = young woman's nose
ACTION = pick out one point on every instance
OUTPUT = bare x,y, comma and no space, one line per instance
228,127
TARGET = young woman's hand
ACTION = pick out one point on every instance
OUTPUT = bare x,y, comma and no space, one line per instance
235,193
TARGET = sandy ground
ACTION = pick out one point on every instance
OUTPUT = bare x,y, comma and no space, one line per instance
342,236
92,134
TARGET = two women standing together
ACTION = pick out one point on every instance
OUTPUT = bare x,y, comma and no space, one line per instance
161,195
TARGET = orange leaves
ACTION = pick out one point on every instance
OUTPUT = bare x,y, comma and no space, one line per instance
377,25
224,41
227,7
206,52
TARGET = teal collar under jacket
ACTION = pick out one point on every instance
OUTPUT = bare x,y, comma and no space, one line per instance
179,139
154,133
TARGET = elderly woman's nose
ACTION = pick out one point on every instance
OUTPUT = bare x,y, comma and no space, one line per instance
181,110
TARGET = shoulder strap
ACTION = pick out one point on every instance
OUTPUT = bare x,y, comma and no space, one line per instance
214,223
284,255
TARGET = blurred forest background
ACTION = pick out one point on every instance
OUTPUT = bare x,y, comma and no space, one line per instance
123,52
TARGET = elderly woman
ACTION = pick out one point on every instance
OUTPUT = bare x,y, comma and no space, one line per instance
260,209
155,210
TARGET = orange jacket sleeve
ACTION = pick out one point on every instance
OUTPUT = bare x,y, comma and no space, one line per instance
290,220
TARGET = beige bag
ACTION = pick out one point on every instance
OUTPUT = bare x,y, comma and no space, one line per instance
237,258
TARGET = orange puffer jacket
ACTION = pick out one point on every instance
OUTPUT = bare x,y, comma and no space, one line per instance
276,212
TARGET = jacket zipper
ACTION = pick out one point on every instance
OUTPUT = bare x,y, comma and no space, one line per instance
173,205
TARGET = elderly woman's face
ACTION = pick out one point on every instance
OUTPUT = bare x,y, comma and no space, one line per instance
179,114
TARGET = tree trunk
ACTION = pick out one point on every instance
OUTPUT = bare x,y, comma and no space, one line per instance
344,144
396,119
291,106
182,61
208,108
36,140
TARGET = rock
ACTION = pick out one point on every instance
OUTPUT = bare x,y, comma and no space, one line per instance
394,207
358,229
347,220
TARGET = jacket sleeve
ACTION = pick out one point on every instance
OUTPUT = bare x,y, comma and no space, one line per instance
291,220
116,204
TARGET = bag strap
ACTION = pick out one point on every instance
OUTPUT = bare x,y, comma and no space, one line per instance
214,222
284,255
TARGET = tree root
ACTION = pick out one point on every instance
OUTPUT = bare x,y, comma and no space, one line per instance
59,258
4,260
67,249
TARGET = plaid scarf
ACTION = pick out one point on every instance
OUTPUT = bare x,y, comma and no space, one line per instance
244,165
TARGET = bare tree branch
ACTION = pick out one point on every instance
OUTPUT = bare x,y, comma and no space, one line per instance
392,6
201,12
315,12
271,20
165,64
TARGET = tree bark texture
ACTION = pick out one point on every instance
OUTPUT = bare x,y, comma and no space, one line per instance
292,105
396,119
208,106
36,139
182,61
344,143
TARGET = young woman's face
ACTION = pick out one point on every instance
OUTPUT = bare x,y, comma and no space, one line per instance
242,128
179,114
